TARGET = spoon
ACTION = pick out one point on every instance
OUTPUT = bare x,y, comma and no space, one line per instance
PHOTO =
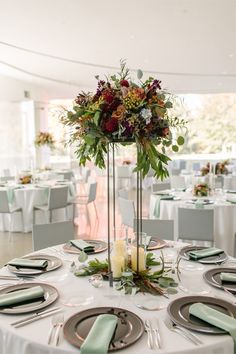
55,320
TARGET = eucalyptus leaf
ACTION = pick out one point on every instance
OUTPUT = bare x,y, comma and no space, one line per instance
171,291
139,74
175,148
180,140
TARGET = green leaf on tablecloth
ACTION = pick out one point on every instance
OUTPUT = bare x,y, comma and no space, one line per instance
171,291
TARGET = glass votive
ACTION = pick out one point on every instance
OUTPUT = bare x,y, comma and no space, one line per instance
96,280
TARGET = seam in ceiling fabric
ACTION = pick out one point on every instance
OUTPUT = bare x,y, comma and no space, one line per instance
103,66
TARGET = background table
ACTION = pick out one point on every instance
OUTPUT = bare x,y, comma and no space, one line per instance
33,337
224,218
25,197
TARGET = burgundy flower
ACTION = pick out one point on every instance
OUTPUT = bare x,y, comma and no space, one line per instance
108,96
128,129
111,125
124,83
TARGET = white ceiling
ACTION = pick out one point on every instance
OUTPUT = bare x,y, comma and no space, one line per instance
175,36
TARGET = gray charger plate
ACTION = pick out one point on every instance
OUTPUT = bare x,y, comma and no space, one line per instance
99,246
129,328
50,295
207,260
53,263
212,277
178,311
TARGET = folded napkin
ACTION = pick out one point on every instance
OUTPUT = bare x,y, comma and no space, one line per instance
206,252
100,335
156,211
29,263
16,297
82,245
215,318
228,277
146,240
231,201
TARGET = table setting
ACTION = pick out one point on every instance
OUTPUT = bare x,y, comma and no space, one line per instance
125,322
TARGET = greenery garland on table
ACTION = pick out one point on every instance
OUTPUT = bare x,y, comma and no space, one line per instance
125,111
156,283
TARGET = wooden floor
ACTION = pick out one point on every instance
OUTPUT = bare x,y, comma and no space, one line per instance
18,244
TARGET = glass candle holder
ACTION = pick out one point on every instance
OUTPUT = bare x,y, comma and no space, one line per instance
96,280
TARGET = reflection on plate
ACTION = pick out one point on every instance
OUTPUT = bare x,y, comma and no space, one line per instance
99,246
129,328
219,258
50,295
53,263
212,277
178,311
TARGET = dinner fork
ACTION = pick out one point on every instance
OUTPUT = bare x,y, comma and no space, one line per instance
182,331
148,329
156,330
55,321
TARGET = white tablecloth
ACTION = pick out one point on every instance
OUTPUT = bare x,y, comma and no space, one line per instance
32,339
224,219
26,197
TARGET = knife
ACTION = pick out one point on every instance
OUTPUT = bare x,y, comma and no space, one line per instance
35,316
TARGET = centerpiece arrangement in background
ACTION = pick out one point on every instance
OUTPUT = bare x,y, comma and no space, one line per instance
44,138
219,169
123,111
201,190
45,142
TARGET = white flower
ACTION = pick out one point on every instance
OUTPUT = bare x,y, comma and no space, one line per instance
146,114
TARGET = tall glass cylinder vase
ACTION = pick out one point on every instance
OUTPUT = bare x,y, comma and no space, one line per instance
43,156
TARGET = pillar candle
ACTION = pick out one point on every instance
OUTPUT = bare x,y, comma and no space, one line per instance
117,265
119,248
142,262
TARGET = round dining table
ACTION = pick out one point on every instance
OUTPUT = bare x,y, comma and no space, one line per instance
26,197
224,214
77,294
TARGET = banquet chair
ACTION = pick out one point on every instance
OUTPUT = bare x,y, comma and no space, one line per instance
177,182
67,175
7,178
157,187
123,174
123,193
90,198
47,235
127,210
164,229
196,224
57,199
7,208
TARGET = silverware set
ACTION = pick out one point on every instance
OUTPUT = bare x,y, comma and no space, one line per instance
153,332
35,317
54,334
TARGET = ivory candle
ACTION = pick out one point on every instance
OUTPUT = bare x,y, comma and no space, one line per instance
117,265
142,262
119,248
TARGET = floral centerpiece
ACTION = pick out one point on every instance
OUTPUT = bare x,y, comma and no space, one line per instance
201,190
205,169
221,168
44,138
124,111
27,179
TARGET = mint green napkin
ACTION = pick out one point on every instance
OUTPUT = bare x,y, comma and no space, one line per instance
11,194
16,297
29,263
215,318
157,207
231,201
228,277
100,335
82,245
206,252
